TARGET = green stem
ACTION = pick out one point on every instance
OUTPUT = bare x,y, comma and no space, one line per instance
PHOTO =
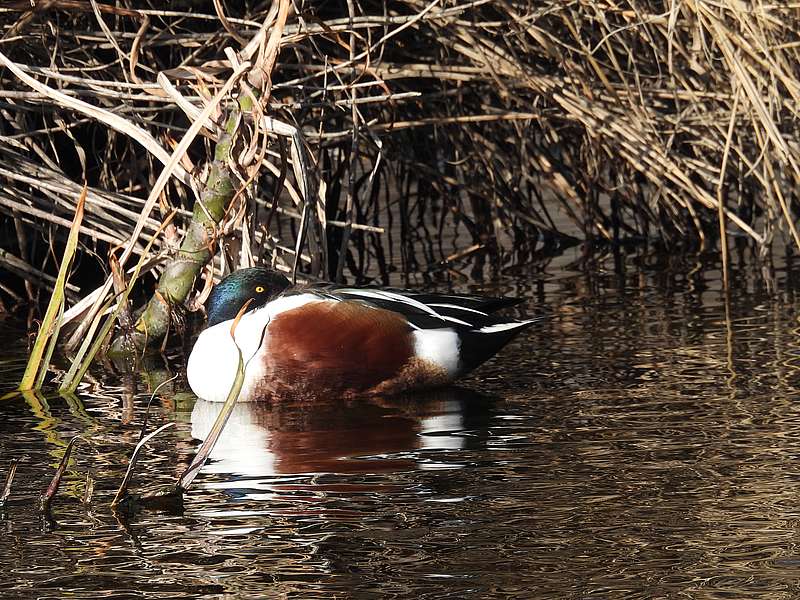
177,279
39,360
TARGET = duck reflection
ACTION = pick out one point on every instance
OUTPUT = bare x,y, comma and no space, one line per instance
368,435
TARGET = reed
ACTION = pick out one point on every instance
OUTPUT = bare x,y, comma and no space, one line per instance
12,470
39,360
92,343
46,499
187,477
122,496
171,497
525,123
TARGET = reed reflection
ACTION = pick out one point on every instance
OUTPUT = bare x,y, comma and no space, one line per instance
369,435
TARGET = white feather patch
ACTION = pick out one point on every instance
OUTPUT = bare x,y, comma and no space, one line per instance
504,326
393,296
457,307
212,364
438,346
454,320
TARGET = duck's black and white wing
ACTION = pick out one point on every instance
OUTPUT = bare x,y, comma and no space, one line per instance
480,333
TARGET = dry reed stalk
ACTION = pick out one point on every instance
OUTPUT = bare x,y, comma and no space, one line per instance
6,493
46,499
624,117
122,491
204,451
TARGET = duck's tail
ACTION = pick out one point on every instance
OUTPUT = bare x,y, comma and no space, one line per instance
480,344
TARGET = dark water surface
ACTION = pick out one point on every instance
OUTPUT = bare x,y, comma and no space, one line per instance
643,443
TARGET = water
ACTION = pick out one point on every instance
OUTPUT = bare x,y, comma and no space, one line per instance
643,443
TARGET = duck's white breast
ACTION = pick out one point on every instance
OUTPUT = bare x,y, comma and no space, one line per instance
212,365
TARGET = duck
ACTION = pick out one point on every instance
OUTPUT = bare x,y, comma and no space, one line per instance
333,341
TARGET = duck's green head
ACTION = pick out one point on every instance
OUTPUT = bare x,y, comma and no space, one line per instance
229,295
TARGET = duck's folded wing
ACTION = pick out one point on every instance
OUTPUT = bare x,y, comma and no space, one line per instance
431,311
485,304
479,334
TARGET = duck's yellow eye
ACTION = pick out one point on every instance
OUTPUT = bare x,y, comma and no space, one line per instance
259,288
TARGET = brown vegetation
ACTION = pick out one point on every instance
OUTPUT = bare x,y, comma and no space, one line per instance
673,121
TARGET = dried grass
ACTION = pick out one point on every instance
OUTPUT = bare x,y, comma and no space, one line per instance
671,121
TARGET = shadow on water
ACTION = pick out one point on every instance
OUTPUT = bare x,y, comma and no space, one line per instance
643,442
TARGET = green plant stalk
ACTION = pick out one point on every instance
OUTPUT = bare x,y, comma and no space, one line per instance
180,273
31,378
51,346
70,385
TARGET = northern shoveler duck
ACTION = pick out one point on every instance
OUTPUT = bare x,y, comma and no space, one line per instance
307,341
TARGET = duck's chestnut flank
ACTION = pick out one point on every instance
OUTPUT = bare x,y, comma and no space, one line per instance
324,340
327,340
